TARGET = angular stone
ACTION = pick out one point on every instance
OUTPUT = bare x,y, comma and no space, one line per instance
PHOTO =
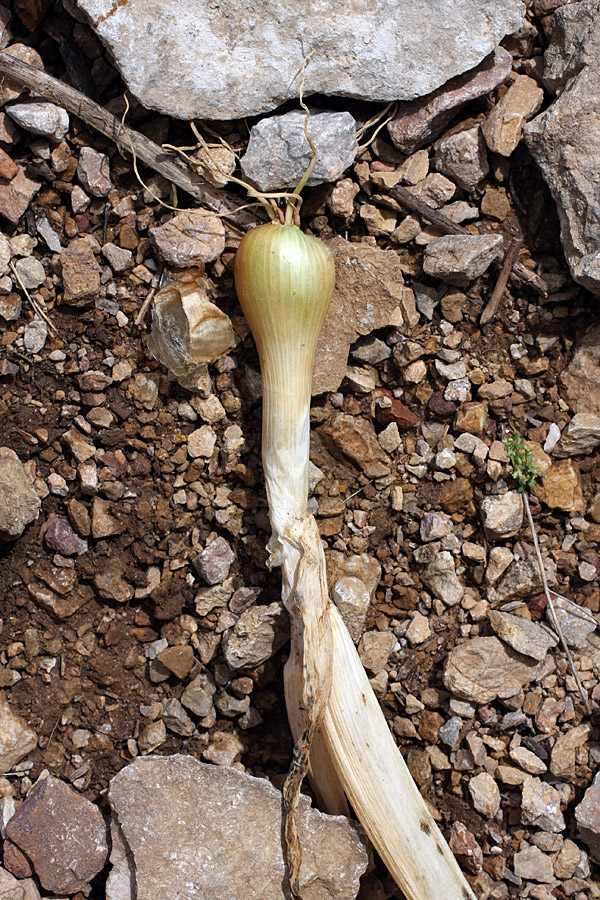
540,806
582,435
524,636
62,833
561,487
351,597
214,562
353,439
60,537
463,157
16,195
502,515
19,503
225,75
459,258
455,495
565,139
10,90
40,117
222,831
93,172
361,271
278,151
419,122
190,238
503,127
522,579
256,636
80,272
118,258
31,272
12,888
528,761
17,740
587,814
562,759
419,630
568,860
375,648
483,668
485,794
439,574
581,378
465,847
201,442
533,865
576,621
198,695
435,190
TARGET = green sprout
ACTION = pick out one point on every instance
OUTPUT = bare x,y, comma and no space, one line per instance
524,471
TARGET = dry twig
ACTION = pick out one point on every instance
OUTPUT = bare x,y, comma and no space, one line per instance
493,303
37,307
94,115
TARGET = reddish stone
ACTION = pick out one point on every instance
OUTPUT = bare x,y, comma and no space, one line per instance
62,833
15,861
398,412
441,407
430,723
465,848
537,606
60,536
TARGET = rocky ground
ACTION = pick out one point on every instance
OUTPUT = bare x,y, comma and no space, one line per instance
138,614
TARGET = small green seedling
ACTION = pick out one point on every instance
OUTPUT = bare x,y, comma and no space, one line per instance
524,471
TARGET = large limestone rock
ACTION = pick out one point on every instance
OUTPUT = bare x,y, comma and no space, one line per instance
186,828
197,59
565,140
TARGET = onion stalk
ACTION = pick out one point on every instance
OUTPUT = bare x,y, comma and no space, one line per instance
284,280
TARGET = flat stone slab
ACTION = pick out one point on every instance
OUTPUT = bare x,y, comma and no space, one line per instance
198,59
190,829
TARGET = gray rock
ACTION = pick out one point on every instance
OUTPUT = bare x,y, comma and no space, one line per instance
63,835
449,733
524,636
16,738
531,863
118,258
576,622
540,806
483,668
40,117
375,648
215,833
439,574
232,60
485,794
502,515
176,719
435,525
19,503
463,156
278,152
93,171
258,634
503,127
581,378
31,272
522,579
214,562
418,122
190,238
459,258
565,139
587,815
35,335
198,695
351,597
582,435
